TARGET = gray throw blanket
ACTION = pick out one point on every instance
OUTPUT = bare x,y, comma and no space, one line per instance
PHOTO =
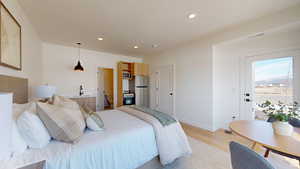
163,118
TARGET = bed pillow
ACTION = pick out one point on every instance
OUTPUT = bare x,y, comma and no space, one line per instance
93,120
18,109
62,123
70,104
32,128
18,143
86,111
65,102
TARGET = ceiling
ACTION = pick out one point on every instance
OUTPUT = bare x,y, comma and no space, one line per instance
126,23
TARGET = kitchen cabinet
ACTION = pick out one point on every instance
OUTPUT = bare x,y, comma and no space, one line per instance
124,68
127,70
141,69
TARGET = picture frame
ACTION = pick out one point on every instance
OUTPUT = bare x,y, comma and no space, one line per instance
10,40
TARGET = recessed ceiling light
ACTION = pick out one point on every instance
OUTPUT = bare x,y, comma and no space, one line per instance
135,47
257,35
100,38
155,46
192,16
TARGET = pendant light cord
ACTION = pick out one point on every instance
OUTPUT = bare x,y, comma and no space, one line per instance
79,47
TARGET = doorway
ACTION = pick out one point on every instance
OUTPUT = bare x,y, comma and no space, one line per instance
269,79
105,91
162,89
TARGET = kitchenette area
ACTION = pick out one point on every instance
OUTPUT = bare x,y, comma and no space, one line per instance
133,84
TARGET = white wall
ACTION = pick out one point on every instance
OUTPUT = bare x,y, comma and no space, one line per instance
31,49
194,62
225,87
228,60
59,62
193,81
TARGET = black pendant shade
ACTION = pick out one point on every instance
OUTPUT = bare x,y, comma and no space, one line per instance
78,67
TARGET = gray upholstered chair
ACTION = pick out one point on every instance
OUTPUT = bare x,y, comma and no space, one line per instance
244,158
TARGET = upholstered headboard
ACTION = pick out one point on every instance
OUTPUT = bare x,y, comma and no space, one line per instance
17,86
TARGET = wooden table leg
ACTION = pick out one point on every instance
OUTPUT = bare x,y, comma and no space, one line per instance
267,153
253,146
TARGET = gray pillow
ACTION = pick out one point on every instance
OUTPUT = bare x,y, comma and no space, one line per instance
93,119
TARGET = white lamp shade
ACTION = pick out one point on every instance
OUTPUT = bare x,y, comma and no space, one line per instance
6,100
45,91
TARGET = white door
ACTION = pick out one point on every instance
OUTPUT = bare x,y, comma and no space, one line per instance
270,77
247,91
162,89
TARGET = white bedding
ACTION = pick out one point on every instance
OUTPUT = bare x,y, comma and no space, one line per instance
126,143
171,140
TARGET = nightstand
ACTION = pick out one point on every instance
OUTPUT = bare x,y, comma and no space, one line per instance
37,165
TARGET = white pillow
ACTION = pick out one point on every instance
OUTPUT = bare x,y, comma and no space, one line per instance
18,109
18,143
33,130
94,122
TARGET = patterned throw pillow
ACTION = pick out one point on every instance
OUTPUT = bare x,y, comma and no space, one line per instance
64,102
62,123
70,104
93,119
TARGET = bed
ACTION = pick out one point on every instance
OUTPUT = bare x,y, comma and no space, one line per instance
128,142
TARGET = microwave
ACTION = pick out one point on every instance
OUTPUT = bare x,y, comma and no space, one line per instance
126,75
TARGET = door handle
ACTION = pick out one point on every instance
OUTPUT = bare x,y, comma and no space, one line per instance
247,94
247,100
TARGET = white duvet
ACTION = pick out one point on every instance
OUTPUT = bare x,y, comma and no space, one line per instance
126,143
171,140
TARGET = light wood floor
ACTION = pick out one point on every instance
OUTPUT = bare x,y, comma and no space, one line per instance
220,139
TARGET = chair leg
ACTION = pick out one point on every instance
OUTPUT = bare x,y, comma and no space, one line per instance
267,153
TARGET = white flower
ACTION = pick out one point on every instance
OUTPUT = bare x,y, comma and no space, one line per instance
277,107
285,109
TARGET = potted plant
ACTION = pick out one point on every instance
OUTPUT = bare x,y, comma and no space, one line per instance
281,114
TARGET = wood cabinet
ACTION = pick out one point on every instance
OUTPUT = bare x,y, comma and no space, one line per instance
120,84
123,67
88,101
134,69
141,69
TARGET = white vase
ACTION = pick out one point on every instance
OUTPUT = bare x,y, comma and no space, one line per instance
282,128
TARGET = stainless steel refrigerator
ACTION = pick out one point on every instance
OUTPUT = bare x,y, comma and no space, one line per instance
142,91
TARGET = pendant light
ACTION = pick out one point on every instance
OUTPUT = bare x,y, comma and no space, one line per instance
78,67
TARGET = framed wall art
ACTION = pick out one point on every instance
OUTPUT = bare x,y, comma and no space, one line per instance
10,46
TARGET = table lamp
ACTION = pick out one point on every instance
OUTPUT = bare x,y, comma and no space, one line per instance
5,125
45,92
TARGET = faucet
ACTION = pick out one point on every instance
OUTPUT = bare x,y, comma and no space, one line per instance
81,90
